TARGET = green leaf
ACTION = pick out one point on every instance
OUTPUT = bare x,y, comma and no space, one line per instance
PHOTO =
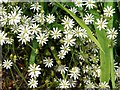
33,52
82,24
110,51
104,57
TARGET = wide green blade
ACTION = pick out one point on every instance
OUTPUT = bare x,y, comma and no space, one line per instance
104,57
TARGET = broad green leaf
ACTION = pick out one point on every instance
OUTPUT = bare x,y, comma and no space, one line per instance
104,57
110,24
82,24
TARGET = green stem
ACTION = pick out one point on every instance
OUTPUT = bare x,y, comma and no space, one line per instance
13,78
30,46
21,75
54,52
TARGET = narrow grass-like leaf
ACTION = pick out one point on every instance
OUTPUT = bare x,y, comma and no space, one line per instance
82,24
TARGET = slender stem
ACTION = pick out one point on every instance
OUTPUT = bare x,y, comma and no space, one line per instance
17,69
30,46
13,78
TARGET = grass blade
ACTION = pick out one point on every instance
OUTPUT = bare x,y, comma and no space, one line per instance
82,24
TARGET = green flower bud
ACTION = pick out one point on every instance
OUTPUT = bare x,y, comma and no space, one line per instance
46,81
52,47
36,51
52,73
11,56
15,58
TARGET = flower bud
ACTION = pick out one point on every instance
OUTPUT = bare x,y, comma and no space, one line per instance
11,56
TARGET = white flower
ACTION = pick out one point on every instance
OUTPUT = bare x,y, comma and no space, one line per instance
67,22
3,16
108,11
90,85
112,33
7,64
33,83
9,41
26,20
102,24
64,84
72,83
73,9
65,49
40,18
74,72
62,69
79,32
50,18
3,37
14,17
94,70
118,72
2,10
68,32
48,62
36,7
3,1
79,3
61,55
56,33
86,68
14,29
34,70
68,40
90,4
35,29
42,38
89,18
3,19
104,85
24,38
98,72
25,29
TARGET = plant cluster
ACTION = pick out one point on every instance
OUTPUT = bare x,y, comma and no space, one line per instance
45,47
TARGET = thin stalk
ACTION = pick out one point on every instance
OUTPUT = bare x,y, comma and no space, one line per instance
13,78
21,75
30,46
54,52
